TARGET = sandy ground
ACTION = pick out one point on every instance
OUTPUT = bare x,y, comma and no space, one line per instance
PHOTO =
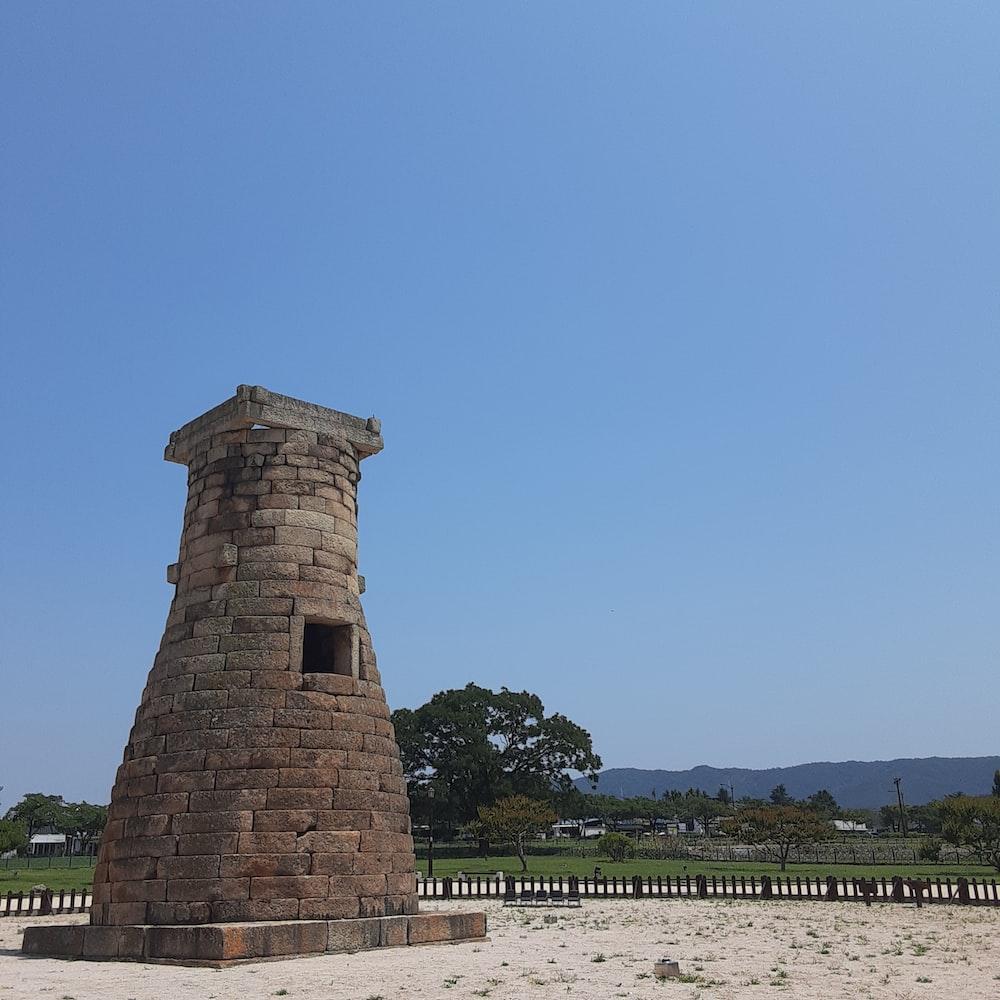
603,950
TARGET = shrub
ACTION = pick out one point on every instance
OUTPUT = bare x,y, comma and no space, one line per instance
616,846
930,849
662,848
13,836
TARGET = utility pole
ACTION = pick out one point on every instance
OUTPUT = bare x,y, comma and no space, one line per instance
902,808
430,832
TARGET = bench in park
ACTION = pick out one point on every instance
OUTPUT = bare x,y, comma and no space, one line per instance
540,897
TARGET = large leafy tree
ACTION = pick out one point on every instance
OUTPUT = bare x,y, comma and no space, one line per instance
84,821
81,820
478,745
777,828
36,811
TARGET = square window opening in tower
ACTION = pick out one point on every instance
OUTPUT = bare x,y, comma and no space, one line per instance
327,649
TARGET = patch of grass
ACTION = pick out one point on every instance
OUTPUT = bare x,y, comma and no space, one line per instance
568,865
599,957
22,878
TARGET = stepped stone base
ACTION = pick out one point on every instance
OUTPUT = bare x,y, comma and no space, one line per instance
220,945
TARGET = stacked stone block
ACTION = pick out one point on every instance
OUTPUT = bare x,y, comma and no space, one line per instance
250,789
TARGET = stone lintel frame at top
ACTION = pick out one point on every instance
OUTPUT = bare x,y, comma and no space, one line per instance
253,404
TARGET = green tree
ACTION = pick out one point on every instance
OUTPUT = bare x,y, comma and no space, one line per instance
513,819
616,846
888,817
973,821
649,810
481,745
13,836
823,804
996,783
36,810
83,821
777,829
780,796
703,809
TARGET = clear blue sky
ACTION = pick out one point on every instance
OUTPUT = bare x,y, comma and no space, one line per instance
681,319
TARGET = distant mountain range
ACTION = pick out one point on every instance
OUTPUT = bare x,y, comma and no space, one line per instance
855,784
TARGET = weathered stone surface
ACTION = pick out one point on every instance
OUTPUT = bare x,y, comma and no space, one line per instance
353,935
254,790
54,939
426,928
394,932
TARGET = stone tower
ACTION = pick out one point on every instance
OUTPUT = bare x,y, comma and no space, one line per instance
260,808
261,780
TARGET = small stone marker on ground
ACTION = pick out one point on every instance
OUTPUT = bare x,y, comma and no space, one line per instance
666,968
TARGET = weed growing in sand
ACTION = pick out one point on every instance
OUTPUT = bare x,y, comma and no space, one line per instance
599,957
920,949
451,981
280,993
924,979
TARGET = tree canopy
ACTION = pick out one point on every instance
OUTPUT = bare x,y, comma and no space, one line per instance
778,828
37,811
973,821
823,803
13,836
478,745
780,796
513,819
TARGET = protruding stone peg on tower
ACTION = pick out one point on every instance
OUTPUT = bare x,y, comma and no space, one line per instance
261,781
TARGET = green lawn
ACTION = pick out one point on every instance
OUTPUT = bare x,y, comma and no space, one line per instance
22,879
585,866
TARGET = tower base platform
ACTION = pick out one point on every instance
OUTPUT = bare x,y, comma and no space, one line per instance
221,945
